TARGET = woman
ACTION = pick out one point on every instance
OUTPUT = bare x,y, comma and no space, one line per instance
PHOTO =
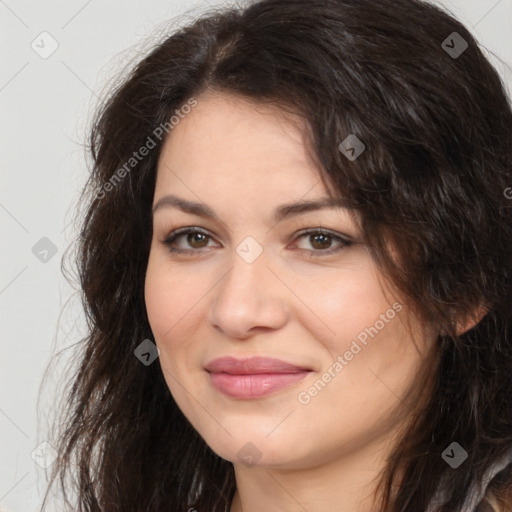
296,264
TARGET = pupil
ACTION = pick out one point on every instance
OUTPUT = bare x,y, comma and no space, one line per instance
193,238
324,241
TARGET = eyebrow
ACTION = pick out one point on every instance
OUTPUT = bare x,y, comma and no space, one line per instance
280,213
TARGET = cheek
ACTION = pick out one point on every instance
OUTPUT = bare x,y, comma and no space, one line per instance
170,296
343,304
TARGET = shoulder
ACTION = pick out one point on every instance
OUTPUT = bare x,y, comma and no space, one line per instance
476,493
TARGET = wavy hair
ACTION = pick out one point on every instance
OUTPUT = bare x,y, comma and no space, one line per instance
433,184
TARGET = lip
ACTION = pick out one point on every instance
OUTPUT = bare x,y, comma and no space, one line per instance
252,365
253,377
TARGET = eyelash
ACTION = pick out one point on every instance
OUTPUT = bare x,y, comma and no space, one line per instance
174,235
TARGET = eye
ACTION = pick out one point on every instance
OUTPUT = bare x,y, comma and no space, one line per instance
322,241
196,238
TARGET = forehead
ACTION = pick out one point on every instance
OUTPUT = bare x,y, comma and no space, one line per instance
227,140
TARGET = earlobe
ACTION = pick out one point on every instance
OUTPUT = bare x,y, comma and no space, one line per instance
471,320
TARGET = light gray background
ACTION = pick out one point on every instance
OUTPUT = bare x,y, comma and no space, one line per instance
46,105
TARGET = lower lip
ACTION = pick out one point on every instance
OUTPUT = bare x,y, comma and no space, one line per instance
253,386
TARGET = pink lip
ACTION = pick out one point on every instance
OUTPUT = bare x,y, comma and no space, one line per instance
252,377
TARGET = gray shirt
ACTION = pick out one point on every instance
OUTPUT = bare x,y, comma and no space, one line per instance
475,495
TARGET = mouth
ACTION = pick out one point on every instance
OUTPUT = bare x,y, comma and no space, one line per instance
253,377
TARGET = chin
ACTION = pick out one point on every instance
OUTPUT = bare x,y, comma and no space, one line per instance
248,448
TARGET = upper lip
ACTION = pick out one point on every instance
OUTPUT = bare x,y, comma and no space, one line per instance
252,365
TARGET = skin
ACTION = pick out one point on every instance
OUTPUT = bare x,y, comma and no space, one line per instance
292,303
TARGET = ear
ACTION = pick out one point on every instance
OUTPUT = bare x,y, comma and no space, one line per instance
471,320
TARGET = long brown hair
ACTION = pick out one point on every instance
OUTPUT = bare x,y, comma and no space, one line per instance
433,183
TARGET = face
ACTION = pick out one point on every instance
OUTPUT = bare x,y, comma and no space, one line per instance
246,277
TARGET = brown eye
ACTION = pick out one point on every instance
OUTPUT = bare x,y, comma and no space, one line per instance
196,239
320,241
323,242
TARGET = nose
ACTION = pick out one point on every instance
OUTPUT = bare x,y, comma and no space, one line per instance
248,299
